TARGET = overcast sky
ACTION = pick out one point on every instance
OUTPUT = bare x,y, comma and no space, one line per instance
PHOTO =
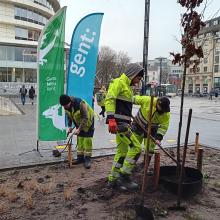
123,24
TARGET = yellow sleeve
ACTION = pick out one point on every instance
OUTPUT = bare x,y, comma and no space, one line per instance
113,92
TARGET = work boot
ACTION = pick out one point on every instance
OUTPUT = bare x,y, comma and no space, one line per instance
111,184
125,183
87,162
79,159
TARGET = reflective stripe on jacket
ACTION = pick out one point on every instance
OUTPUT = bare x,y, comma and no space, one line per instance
77,115
160,121
118,101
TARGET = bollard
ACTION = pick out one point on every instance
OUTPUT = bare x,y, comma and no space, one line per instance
199,159
156,170
197,142
70,155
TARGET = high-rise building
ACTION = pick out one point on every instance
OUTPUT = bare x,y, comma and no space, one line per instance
207,75
21,23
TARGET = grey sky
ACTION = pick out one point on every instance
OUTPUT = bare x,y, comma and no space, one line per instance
123,24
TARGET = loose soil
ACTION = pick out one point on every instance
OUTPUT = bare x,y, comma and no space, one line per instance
57,192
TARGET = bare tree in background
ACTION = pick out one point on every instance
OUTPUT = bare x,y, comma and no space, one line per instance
110,65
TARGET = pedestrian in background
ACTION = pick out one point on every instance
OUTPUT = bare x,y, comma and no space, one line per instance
100,97
211,93
31,94
23,92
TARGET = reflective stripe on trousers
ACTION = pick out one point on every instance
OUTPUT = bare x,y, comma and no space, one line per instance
128,148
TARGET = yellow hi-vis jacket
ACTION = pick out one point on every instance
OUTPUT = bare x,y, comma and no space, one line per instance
118,101
161,121
82,118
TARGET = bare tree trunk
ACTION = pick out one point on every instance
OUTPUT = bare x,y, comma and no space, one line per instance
181,118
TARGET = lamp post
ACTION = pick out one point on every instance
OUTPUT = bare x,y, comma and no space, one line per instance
160,78
145,46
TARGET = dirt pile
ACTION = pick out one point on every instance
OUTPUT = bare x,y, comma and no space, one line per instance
57,192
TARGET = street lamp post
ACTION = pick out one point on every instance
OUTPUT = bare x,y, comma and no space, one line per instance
145,46
160,78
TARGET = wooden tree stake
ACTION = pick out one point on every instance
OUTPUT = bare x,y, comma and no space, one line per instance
156,170
197,142
199,159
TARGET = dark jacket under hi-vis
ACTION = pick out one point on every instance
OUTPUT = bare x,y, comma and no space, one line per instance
81,114
160,122
118,102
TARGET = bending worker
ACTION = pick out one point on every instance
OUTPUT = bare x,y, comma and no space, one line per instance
160,120
81,114
118,104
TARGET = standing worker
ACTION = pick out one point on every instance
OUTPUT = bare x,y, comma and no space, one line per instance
81,114
100,97
118,104
160,120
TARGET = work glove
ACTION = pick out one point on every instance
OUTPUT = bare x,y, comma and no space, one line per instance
112,126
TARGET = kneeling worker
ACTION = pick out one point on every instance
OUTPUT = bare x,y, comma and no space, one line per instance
160,120
81,114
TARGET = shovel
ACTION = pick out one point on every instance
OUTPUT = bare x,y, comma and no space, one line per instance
57,153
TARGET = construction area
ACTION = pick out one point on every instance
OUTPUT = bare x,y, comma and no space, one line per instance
36,185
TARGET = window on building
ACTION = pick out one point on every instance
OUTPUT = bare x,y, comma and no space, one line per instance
24,34
3,53
217,82
215,68
216,51
23,14
216,59
30,16
205,60
3,74
205,69
21,33
215,22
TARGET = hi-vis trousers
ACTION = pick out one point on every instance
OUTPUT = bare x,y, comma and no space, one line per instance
127,153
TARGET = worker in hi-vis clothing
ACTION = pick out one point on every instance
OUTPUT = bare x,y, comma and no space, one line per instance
160,120
118,104
81,114
100,97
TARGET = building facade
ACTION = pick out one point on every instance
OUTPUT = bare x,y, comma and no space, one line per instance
175,75
168,72
21,23
207,75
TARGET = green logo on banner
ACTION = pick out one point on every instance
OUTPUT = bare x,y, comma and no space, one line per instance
51,117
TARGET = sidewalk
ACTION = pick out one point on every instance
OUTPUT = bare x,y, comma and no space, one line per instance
18,140
18,132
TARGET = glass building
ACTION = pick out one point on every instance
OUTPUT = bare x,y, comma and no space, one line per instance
21,23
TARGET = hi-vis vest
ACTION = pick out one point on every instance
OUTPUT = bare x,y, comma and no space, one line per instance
75,116
118,101
161,121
